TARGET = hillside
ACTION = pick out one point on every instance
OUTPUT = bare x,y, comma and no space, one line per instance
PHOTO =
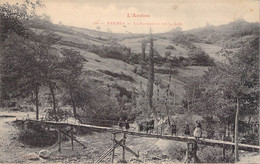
98,78
108,70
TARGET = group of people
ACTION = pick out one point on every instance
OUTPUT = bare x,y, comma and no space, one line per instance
123,123
197,132
149,126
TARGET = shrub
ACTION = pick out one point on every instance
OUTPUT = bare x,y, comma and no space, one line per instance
135,69
36,135
122,91
210,154
38,139
135,58
200,57
121,76
60,114
115,51
177,151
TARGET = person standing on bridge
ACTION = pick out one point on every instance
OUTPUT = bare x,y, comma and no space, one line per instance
120,123
198,130
187,129
174,129
127,126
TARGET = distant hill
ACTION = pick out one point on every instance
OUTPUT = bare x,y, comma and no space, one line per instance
225,33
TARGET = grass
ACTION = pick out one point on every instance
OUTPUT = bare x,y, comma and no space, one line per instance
211,50
115,68
121,76
210,154
192,71
159,44
150,149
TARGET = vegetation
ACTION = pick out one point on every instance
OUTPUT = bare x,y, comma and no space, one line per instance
149,90
114,52
225,85
200,58
229,32
44,68
31,62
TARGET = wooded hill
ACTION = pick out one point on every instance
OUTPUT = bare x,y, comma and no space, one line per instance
70,71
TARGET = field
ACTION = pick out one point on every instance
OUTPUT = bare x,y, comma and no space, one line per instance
159,45
211,50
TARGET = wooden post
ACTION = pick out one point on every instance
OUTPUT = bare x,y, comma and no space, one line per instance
224,149
236,133
59,139
194,152
224,139
124,147
72,145
113,152
233,147
187,152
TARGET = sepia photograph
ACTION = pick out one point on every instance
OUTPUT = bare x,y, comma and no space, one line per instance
129,81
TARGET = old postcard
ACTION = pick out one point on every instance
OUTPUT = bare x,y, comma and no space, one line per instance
129,81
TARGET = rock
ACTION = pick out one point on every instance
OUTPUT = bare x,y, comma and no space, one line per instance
156,158
32,156
45,154
164,156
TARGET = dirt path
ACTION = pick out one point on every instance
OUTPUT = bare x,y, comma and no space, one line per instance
11,150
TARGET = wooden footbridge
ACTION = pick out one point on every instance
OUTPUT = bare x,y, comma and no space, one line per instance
192,143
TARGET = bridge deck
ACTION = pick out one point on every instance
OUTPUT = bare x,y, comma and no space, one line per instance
210,142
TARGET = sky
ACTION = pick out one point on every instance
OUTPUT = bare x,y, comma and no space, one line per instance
138,16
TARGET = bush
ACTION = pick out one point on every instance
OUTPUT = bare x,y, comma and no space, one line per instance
177,151
211,154
38,139
121,76
251,139
200,57
135,69
135,58
60,114
36,135
115,51
122,91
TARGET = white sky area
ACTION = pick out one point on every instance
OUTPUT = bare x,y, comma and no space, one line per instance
187,14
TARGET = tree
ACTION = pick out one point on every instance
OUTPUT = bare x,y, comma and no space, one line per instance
149,90
230,91
200,57
95,103
21,69
72,67
13,19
